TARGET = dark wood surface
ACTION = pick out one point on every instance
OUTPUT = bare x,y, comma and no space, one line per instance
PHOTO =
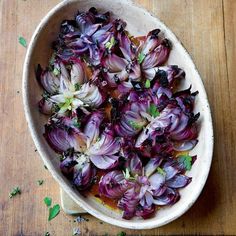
207,28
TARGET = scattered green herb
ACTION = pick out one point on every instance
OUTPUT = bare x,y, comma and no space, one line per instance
45,95
106,234
56,71
53,211
52,60
147,83
136,125
186,160
22,41
76,122
40,182
77,86
141,57
45,167
122,233
153,111
110,43
47,234
48,201
14,192
161,171
66,105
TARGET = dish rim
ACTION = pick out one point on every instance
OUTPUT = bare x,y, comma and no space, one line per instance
81,202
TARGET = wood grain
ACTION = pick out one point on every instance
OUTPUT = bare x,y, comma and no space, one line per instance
207,29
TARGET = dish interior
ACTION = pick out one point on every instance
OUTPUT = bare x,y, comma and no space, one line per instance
139,22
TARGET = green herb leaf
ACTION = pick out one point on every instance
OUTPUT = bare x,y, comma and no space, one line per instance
52,59
14,192
40,182
56,71
147,83
186,160
153,111
47,234
122,233
66,105
141,57
22,41
136,125
53,211
110,43
161,171
77,86
76,123
48,201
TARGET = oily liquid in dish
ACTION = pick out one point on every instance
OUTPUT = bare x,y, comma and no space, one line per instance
94,191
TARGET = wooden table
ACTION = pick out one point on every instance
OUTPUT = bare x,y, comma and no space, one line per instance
208,31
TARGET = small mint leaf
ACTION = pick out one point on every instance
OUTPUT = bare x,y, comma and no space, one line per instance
14,192
53,211
47,201
56,71
22,41
153,111
147,84
77,86
135,125
110,43
40,182
141,57
161,171
186,160
122,233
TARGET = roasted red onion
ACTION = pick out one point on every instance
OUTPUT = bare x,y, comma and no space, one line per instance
115,113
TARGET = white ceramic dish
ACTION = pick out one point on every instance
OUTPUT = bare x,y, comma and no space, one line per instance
139,22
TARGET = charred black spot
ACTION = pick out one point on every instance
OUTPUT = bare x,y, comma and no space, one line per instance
193,118
79,112
137,86
38,72
161,77
68,26
160,139
101,18
93,10
115,113
166,43
117,79
154,33
195,93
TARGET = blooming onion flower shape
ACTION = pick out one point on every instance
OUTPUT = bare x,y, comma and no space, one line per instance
90,147
140,189
144,105
153,52
177,126
67,90
122,70
88,35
